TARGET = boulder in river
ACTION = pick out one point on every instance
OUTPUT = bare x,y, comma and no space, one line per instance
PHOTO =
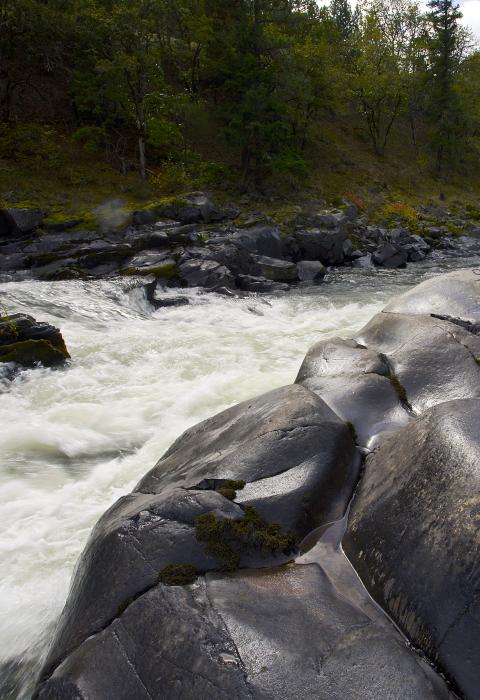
28,343
285,454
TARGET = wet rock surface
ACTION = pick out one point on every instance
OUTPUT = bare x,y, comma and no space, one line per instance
25,342
406,390
414,535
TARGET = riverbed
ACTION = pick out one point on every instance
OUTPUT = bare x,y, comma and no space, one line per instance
73,440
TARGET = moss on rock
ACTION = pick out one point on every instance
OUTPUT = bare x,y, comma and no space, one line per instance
227,539
178,574
29,353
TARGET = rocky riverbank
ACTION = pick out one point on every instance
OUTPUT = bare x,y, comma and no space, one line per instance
192,243
259,483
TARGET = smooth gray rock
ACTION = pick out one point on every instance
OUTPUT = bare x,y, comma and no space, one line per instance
273,269
433,360
300,464
169,643
205,273
414,536
299,638
137,537
310,271
297,457
323,245
456,295
355,382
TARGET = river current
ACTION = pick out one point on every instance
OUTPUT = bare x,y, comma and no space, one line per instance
74,440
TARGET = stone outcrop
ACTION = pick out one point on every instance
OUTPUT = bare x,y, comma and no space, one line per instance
284,626
179,242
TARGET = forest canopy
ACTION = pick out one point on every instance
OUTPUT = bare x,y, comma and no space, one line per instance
152,85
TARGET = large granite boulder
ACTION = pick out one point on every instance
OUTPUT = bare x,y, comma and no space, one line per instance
323,245
299,464
275,629
356,383
414,536
430,360
273,634
453,296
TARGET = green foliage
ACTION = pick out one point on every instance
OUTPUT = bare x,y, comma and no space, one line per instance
92,138
229,489
220,94
178,574
228,539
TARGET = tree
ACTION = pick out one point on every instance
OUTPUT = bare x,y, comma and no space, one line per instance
447,46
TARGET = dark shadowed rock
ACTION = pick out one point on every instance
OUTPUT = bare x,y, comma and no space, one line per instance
325,246
205,273
28,343
310,271
250,283
414,536
261,240
390,256
273,269
364,262
19,221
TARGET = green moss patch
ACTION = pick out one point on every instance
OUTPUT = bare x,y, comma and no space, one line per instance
229,489
29,353
227,539
178,574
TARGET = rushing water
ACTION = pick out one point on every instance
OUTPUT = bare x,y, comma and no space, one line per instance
73,440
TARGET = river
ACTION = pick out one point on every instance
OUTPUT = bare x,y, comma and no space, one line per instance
74,440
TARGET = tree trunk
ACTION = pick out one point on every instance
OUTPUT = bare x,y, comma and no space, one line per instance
141,157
